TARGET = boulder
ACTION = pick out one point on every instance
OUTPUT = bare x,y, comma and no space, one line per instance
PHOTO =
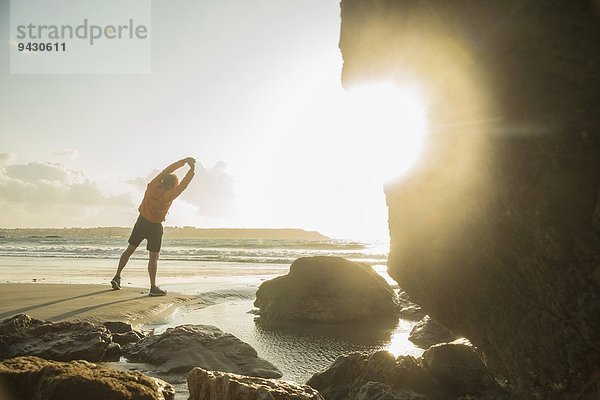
184,347
204,384
126,338
118,327
327,289
495,231
447,372
347,376
112,353
33,378
381,391
22,335
428,332
456,367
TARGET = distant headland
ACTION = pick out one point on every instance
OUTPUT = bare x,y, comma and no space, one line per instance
173,232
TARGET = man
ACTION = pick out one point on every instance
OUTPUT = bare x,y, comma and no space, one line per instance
160,193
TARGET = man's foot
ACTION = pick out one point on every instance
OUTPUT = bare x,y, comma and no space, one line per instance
116,283
156,291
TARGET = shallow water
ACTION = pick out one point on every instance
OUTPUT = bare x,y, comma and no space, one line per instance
298,350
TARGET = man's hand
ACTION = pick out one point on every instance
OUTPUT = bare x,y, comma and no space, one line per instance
190,161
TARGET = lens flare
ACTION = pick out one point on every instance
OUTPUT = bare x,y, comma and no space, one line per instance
388,124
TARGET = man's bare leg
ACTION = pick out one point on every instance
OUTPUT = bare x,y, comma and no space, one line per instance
116,281
152,268
125,258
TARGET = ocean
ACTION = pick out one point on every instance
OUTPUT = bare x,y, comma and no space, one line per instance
272,251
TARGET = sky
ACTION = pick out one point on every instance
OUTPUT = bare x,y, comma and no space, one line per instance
250,88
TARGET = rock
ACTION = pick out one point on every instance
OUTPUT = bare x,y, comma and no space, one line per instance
327,289
446,372
118,327
495,232
22,335
427,332
408,309
33,378
456,367
112,353
126,338
347,376
184,347
204,384
381,391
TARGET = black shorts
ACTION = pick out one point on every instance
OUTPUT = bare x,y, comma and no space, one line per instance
144,229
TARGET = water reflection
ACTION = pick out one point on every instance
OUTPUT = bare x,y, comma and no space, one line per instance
300,350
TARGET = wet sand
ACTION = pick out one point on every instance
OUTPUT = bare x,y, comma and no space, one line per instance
92,303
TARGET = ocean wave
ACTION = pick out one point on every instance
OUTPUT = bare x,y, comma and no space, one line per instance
226,250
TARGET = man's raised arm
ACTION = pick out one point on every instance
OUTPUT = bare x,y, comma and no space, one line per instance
169,170
185,181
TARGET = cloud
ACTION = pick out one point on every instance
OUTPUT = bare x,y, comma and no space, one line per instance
7,158
36,172
71,154
54,196
211,191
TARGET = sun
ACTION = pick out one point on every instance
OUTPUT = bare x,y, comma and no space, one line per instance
388,125
325,158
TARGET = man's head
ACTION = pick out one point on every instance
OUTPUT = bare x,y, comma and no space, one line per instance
169,182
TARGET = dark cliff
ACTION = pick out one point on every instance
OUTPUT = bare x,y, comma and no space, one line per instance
496,233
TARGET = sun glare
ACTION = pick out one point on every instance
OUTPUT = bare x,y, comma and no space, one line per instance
388,124
399,344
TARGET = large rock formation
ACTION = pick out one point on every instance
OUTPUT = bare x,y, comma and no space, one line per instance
184,347
495,233
22,335
204,384
32,378
446,372
327,289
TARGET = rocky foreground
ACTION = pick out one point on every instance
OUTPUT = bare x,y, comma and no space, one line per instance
36,378
61,341
185,347
446,371
204,384
56,360
46,360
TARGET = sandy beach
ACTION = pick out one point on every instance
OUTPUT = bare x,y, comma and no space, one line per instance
92,303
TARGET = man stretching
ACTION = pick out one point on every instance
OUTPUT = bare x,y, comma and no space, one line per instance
160,193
